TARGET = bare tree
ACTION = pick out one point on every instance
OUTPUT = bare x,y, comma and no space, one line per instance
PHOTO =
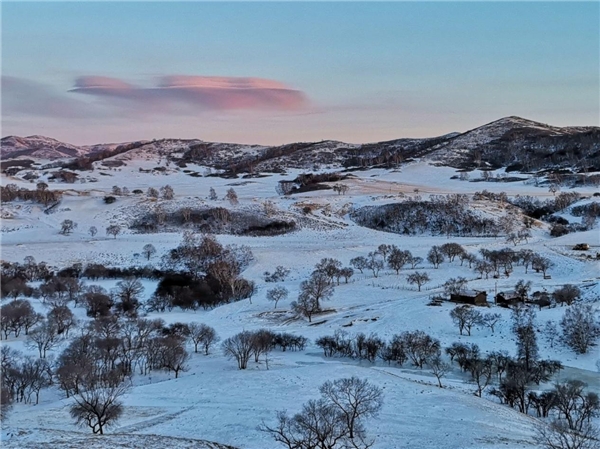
576,406
113,230
93,231
306,306
202,335
439,368
356,399
43,338
360,263
173,356
374,262
558,435
397,259
490,320
231,196
465,317
152,192
212,194
97,402
566,294
435,256
335,420
240,348
580,327
276,294
62,319
419,278
167,192
148,250
67,226
317,288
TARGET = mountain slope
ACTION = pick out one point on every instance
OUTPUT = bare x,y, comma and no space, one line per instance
511,142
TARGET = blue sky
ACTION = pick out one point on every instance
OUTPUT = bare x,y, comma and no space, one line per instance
92,72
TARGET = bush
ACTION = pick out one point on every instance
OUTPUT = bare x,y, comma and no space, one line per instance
109,199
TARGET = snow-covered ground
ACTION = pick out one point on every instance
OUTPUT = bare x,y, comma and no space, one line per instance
213,400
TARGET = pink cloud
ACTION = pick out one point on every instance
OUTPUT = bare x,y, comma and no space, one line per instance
197,92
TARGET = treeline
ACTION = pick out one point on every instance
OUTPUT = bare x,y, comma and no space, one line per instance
441,215
11,192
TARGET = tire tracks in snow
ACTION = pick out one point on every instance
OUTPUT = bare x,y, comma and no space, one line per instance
160,419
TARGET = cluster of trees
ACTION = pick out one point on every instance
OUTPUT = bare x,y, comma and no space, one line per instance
211,274
246,345
166,192
503,261
320,286
96,366
279,275
335,420
441,215
212,220
12,192
542,209
67,226
416,346
466,317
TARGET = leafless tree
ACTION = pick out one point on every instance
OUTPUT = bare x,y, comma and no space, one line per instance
113,230
334,421
454,286
173,355
374,262
543,264
419,278
438,368
276,294
465,317
167,192
62,319
356,399
397,259
317,288
93,231
239,347
43,338
580,327
148,250
566,294
97,402
212,194
67,226
360,263
490,320
576,406
231,196
152,192
558,435
306,306
202,335
435,256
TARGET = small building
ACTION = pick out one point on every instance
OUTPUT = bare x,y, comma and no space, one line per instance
472,297
509,298
581,247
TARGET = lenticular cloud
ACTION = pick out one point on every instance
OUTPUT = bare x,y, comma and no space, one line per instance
202,92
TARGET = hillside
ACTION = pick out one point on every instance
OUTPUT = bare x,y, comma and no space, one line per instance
511,142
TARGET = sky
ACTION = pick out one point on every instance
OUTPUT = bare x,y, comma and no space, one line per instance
271,73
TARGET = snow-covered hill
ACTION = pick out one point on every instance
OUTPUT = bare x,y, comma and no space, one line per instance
511,141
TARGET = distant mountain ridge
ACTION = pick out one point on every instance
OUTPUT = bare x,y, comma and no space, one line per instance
508,142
